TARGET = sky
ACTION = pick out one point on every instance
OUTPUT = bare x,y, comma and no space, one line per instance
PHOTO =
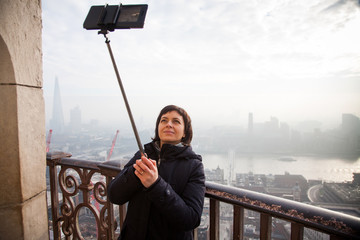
220,60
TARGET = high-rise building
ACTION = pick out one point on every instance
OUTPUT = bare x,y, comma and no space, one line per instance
75,119
57,120
250,123
351,132
350,124
271,128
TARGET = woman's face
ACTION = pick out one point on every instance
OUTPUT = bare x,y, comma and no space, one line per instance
171,128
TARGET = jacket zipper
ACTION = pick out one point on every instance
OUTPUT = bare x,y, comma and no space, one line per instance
159,154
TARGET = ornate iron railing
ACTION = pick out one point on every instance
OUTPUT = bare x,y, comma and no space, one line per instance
82,194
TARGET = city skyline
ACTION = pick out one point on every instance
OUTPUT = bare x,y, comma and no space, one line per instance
75,115
271,136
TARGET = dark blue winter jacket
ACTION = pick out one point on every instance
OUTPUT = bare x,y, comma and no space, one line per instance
171,208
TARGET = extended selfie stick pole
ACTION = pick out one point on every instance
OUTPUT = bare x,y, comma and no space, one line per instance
107,41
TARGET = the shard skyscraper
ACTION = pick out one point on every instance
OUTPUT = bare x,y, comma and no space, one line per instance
57,120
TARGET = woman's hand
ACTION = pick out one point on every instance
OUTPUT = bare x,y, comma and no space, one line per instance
146,171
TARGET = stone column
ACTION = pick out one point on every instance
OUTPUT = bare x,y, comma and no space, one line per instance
23,208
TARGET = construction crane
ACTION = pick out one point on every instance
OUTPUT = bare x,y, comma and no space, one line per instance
112,146
48,140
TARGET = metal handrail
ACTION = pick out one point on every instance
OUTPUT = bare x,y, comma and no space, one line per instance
300,215
323,220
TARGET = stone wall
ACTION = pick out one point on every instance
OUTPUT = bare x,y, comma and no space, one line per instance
23,209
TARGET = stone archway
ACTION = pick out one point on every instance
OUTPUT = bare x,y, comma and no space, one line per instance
23,208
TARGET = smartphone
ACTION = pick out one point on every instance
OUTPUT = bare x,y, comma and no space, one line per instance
111,17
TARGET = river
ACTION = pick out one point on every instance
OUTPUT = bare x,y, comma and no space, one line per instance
329,169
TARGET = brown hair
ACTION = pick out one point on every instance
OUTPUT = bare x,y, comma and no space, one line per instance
187,122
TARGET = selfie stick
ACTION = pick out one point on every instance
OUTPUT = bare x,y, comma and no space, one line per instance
107,41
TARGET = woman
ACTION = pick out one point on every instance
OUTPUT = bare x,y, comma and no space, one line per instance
165,189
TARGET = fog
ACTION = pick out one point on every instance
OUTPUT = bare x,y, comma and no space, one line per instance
296,61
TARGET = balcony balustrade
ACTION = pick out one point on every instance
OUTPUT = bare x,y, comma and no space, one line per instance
78,187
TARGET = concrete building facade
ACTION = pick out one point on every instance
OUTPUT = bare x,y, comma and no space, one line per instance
23,211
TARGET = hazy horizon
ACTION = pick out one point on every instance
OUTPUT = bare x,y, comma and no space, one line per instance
220,60
115,116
